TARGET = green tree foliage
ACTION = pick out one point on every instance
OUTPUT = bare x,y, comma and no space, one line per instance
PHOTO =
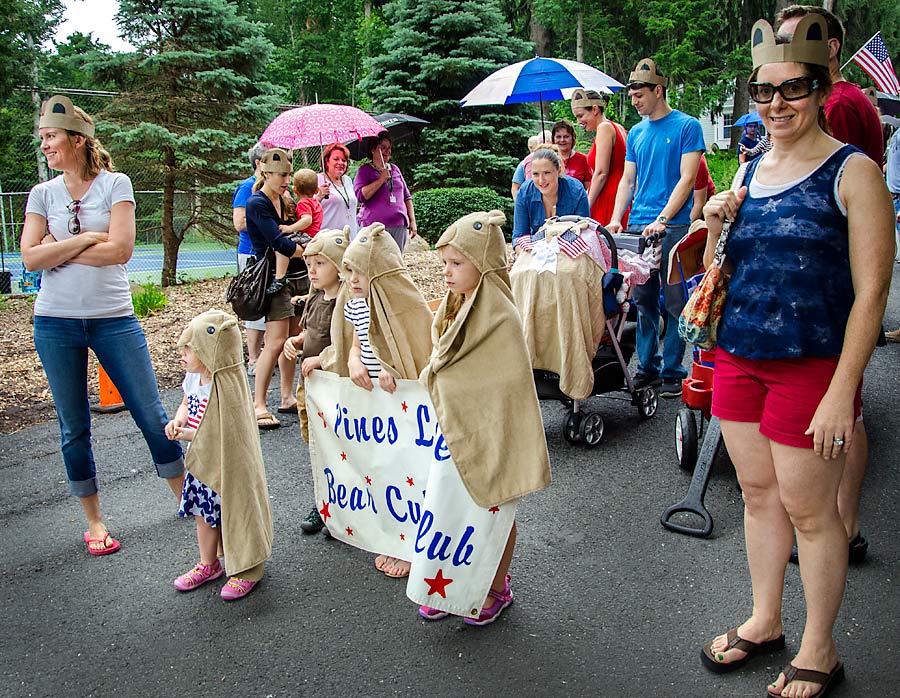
315,55
66,67
436,52
26,25
192,99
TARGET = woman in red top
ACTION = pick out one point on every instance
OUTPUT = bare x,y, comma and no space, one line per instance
607,155
576,164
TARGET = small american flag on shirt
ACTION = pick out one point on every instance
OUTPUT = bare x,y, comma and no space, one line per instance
873,58
196,408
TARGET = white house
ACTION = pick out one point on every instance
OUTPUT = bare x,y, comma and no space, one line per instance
717,130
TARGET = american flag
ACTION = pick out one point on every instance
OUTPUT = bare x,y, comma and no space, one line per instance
873,58
196,409
524,243
571,243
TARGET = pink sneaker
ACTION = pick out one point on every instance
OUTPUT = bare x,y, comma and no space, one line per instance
429,613
236,588
491,613
201,574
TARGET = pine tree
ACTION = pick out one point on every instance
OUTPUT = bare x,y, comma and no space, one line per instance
192,99
436,52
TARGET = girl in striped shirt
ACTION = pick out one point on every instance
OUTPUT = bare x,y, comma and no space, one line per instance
391,323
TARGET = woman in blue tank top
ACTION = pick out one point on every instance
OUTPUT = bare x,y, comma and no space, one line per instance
811,250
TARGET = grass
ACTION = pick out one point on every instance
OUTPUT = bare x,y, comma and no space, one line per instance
722,168
148,300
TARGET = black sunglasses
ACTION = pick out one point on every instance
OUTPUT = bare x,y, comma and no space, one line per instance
74,223
790,90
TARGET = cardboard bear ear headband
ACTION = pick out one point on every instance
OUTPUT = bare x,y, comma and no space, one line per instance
647,72
276,160
808,45
59,112
581,100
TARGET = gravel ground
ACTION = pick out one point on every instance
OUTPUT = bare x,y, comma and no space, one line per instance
24,394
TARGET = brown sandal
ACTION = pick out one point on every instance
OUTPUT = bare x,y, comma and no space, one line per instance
267,420
738,643
826,681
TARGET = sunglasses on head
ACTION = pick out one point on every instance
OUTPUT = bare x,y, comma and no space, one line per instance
790,90
74,223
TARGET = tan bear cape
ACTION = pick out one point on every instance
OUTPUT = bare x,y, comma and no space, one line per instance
332,244
225,453
480,377
400,320
562,314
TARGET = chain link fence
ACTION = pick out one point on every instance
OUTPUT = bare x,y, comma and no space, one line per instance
22,166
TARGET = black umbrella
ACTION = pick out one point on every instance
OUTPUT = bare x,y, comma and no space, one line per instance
400,127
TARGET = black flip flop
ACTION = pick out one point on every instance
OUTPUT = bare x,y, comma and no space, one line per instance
826,681
288,410
752,649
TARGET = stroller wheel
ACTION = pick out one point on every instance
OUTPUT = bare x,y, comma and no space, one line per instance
648,401
592,429
686,439
572,428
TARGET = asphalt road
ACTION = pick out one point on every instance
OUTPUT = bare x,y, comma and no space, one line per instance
608,603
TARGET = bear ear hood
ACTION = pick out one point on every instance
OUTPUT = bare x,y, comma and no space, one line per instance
374,252
331,244
214,336
480,238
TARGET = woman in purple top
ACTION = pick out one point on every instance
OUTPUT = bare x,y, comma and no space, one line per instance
383,195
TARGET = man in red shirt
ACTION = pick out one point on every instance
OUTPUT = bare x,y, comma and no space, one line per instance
853,120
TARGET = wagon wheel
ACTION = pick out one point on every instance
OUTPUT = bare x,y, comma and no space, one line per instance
686,439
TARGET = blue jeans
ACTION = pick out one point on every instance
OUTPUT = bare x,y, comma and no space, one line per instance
897,223
121,348
652,363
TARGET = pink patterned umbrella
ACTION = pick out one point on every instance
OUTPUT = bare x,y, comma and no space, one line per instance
318,125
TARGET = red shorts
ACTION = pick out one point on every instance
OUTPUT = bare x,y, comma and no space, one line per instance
781,394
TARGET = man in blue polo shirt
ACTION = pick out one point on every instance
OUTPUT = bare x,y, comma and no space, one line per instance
256,329
662,155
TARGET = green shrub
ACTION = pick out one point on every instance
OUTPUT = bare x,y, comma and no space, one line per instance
148,300
722,168
437,209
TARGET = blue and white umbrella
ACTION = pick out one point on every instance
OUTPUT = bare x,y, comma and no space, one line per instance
751,118
539,80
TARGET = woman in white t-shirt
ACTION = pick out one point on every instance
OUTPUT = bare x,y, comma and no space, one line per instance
336,194
79,229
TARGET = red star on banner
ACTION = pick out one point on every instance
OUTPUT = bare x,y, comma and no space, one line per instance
494,510
402,536
438,584
324,511
403,405
409,481
343,456
349,531
322,417
368,480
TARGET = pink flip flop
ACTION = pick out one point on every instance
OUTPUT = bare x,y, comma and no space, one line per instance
112,545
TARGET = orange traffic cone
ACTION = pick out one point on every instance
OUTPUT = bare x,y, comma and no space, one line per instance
110,400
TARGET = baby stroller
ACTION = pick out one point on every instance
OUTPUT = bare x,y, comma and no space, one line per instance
607,372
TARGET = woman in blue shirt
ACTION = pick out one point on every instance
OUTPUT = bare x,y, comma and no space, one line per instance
548,193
